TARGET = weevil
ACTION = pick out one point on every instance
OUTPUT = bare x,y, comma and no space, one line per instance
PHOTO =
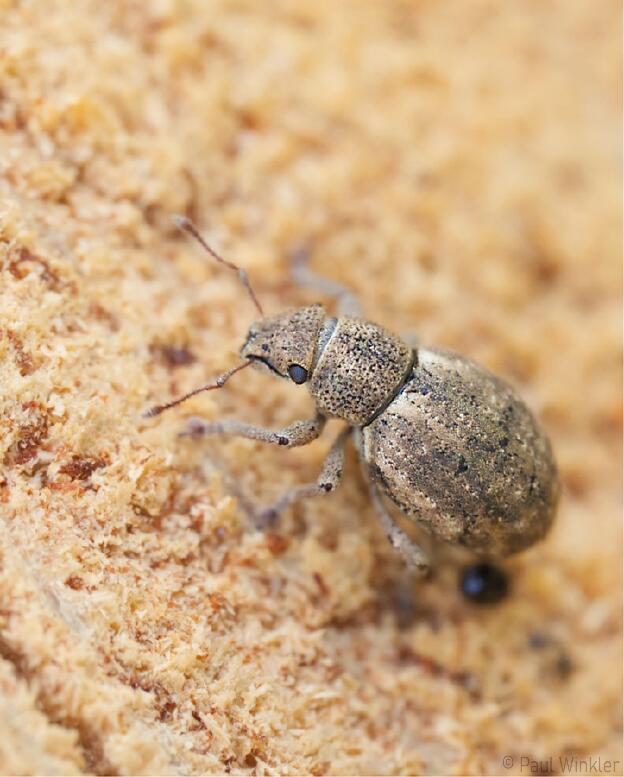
441,438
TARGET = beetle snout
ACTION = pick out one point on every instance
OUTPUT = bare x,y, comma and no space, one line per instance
255,346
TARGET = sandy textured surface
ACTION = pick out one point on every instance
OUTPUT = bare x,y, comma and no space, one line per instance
458,165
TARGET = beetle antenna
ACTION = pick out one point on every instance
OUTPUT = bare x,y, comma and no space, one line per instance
182,222
215,384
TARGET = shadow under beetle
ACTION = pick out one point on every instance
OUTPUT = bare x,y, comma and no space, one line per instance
483,583
446,441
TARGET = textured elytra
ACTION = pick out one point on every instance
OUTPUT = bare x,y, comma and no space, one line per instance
461,454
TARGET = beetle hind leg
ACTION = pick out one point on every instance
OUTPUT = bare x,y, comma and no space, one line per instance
414,556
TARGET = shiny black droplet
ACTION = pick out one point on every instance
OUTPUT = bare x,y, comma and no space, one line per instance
483,583
297,373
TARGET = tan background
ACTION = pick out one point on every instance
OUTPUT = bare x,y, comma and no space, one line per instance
458,165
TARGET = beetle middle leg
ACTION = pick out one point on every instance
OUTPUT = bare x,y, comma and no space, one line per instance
328,480
415,557
347,303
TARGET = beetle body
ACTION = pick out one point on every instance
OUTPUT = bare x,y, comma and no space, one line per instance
452,445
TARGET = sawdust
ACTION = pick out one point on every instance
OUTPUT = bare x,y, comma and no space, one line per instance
457,164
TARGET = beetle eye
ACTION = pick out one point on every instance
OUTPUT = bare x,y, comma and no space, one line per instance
297,373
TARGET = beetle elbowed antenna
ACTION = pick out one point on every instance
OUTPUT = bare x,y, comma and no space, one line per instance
217,383
187,225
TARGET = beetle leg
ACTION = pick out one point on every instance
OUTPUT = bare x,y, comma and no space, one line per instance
347,302
298,433
327,481
412,339
415,557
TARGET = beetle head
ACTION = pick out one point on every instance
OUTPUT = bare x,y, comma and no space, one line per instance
286,344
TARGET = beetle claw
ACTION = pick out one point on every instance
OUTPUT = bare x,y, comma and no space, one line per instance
194,428
265,519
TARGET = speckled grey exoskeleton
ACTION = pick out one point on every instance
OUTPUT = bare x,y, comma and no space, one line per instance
449,443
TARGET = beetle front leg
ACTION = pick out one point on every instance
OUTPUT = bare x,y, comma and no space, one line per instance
328,480
412,339
415,557
347,302
298,433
